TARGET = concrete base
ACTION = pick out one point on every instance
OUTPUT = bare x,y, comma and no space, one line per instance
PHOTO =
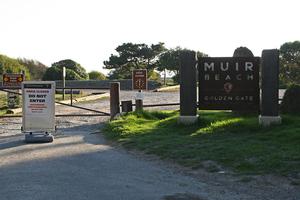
38,138
269,120
187,120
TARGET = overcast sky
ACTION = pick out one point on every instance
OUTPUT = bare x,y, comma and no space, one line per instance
88,31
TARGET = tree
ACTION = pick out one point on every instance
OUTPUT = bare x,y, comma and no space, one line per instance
10,65
133,56
242,52
36,68
74,71
290,63
153,75
94,75
170,60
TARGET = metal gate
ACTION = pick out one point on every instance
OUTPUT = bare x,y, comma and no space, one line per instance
71,104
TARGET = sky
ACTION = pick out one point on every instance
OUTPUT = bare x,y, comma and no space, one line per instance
88,31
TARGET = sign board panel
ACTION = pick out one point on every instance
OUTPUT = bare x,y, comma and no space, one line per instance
229,83
139,79
38,106
12,80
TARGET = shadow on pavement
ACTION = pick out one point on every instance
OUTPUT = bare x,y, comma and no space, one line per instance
12,144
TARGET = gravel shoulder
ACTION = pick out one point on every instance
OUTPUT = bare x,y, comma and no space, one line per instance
81,164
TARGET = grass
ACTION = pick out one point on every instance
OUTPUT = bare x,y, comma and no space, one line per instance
230,141
3,101
3,111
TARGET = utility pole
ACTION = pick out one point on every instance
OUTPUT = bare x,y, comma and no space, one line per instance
63,81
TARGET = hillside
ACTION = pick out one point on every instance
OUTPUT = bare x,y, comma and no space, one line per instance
36,68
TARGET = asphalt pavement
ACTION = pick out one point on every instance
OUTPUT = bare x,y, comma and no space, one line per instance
80,164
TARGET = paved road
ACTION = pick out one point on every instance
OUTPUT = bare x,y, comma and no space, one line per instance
80,165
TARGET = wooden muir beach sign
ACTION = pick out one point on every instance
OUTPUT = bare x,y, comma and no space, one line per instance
229,83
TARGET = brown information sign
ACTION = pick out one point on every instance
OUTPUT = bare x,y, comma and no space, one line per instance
139,79
12,80
229,83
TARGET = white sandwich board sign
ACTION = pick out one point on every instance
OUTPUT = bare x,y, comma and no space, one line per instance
38,106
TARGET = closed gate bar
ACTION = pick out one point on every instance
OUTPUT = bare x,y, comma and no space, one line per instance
98,113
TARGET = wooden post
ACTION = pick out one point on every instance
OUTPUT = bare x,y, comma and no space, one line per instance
188,88
139,101
138,104
165,77
114,99
269,86
126,106
71,96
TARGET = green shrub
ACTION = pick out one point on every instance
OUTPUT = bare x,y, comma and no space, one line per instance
290,102
95,75
74,71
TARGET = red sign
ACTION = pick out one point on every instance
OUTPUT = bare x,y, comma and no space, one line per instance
139,79
12,80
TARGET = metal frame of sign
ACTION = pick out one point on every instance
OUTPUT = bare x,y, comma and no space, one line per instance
38,106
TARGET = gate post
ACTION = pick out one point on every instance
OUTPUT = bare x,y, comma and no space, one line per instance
114,99
138,104
269,86
126,106
188,88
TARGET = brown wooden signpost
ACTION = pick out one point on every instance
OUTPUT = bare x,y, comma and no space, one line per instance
229,83
139,82
12,80
139,79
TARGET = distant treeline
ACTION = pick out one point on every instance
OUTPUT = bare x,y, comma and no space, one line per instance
156,58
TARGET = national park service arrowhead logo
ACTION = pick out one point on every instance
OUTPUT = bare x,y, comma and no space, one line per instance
5,79
20,79
228,87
